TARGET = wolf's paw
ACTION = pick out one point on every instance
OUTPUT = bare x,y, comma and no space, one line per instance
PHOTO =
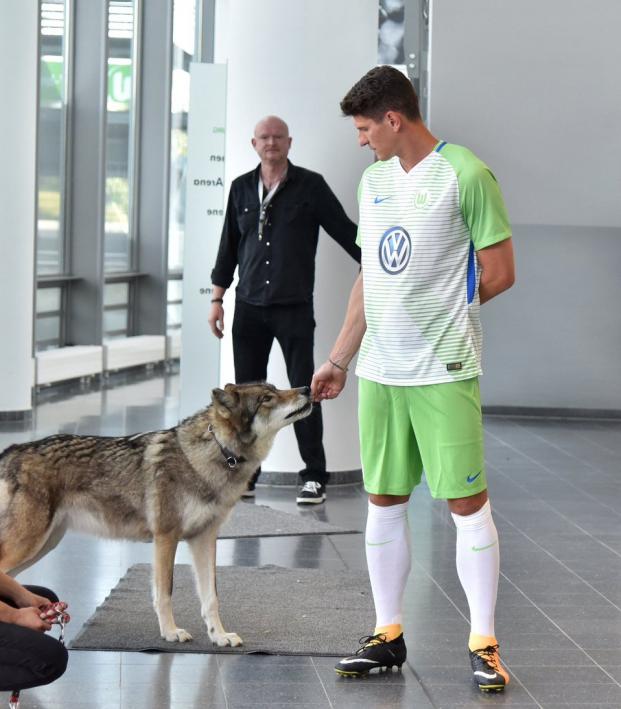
177,635
225,639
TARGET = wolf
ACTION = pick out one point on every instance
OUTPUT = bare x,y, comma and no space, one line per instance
166,486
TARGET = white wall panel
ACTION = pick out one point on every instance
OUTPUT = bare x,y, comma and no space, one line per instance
533,88
200,351
297,60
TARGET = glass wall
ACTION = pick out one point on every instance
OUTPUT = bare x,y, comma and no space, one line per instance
51,168
119,232
52,133
48,324
116,310
391,30
173,308
63,270
184,45
120,144
184,22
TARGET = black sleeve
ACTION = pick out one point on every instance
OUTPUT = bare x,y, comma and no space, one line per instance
332,217
226,260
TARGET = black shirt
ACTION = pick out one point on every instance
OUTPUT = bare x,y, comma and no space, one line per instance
279,268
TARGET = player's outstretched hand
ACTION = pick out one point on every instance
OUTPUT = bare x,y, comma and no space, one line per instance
328,382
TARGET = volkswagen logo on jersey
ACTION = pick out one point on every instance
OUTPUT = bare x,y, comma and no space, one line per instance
395,249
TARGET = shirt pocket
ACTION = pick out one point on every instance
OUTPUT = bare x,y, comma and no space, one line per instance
247,218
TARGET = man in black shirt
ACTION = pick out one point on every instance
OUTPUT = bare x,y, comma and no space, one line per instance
270,232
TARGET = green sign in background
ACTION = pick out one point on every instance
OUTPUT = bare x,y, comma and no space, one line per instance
119,83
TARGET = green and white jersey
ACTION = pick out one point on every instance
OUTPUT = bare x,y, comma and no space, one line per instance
419,232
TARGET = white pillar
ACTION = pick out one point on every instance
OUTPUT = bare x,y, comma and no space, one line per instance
297,60
200,351
18,123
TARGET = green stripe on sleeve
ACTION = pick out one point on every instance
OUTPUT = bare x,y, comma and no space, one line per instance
480,198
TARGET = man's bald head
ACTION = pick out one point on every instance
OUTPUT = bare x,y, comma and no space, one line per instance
271,123
271,141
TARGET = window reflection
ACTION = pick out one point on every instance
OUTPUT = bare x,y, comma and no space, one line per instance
184,20
119,136
116,310
51,139
184,33
391,31
48,319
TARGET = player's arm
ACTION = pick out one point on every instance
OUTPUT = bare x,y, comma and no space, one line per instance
329,380
497,269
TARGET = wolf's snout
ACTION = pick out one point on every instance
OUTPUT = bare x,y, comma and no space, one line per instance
306,407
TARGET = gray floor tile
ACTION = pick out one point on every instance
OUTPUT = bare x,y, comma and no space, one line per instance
277,691
555,489
468,696
609,693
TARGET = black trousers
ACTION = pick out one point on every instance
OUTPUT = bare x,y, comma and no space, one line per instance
293,326
29,658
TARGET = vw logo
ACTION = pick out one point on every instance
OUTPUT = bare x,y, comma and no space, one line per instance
395,249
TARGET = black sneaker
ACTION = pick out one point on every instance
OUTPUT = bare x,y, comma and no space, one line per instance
311,493
375,651
489,674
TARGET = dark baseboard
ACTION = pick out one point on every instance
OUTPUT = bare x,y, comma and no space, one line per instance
19,416
552,412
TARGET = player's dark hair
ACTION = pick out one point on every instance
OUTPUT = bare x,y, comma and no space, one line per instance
380,90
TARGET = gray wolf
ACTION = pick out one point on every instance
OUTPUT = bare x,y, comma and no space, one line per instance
165,486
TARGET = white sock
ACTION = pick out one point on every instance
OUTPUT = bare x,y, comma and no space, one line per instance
388,559
478,566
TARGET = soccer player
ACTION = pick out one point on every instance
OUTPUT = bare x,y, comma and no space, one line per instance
436,243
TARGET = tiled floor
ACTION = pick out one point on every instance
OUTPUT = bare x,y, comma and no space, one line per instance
555,488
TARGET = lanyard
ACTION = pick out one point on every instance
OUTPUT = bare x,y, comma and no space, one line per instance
264,202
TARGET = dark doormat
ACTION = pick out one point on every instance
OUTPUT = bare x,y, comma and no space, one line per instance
274,610
251,520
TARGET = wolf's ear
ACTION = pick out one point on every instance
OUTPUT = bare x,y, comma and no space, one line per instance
225,401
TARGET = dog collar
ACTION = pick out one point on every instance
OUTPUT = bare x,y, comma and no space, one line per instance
230,458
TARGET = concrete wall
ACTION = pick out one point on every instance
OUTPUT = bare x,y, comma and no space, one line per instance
532,88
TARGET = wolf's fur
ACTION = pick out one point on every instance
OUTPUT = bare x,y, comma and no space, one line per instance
164,486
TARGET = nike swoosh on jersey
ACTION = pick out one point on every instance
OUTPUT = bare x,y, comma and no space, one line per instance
471,478
377,200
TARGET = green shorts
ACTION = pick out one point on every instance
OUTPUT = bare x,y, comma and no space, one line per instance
436,427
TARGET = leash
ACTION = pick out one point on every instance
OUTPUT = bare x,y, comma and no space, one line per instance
61,619
230,458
